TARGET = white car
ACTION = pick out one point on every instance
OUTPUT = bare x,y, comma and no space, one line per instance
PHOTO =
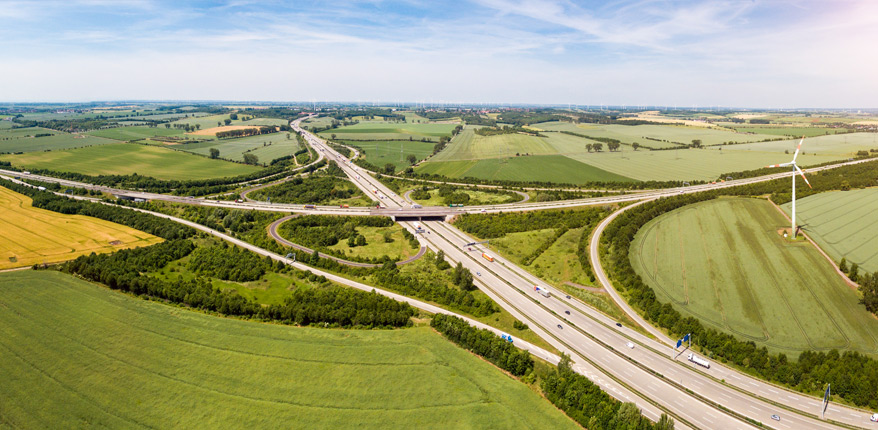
874,418
630,345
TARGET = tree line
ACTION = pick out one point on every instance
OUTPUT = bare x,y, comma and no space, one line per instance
312,189
327,304
323,231
228,263
244,132
484,343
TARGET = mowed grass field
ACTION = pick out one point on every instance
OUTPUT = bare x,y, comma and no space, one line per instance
547,168
639,133
129,158
36,236
136,132
843,223
266,146
21,140
723,262
384,130
395,152
77,354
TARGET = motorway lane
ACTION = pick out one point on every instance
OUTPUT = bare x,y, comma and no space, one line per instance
658,358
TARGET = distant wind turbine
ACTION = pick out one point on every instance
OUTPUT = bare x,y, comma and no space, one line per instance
796,169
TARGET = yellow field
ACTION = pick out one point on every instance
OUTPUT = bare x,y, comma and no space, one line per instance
32,235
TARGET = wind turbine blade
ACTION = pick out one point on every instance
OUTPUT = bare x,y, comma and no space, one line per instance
803,177
780,165
798,148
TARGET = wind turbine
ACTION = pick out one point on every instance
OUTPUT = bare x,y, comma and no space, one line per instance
795,170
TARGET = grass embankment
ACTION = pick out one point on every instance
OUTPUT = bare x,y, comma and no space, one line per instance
126,159
36,236
723,262
843,223
78,354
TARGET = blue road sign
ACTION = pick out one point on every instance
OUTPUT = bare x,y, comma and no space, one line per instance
686,338
679,342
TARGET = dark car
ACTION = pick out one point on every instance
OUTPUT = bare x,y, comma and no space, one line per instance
618,324
567,312
568,297
559,326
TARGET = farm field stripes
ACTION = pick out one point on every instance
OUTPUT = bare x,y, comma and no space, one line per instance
22,140
843,223
136,132
129,158
265,146
78,353
381,130
640,133
548,168
723,262
394,152
470,146
36,236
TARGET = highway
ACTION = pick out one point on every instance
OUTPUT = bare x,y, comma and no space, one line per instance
649,374
651,369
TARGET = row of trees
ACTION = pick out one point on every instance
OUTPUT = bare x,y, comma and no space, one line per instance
244,132
591,407
325,305
491,226
484,343
323,231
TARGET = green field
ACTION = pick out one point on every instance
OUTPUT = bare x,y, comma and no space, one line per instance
136,132
381,130
21,140
670,133
723,262
394,152
468,145
265,146
547,168
787,131
209,121
129,158
843,223
76,354
376,247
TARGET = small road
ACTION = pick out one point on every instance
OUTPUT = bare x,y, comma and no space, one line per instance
272,230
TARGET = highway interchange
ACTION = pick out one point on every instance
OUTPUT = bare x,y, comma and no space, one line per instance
651,374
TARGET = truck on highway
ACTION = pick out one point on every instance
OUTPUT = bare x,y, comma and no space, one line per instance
698,360
374,190
310,207
419,228
416,206
343,206
506,337
543,292
487,257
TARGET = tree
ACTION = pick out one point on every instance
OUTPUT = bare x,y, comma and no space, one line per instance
214,153
233,116
198,126
853,274
389,168
843,266
251,159
635,145
589,147
167,125
598,147
227,121
332,136
412,159
696,143
612,146
219,124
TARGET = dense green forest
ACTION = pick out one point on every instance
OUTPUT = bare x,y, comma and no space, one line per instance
312,190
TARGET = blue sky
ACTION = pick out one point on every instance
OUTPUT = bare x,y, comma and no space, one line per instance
746,53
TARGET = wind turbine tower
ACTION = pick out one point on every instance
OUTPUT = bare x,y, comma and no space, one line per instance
796,169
